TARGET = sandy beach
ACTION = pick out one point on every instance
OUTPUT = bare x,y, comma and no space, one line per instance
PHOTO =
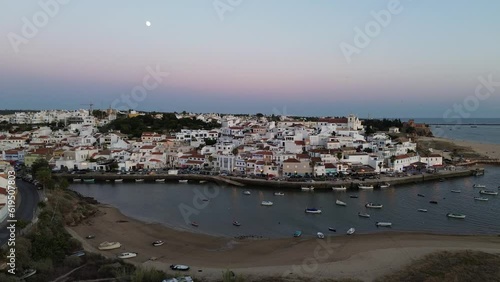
486,150
363,257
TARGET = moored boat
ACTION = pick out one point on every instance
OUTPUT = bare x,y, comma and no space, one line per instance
365,187
351,231
361,214
195,224
421,195
456,191
297,233
158,243
236,223
76,180
422,210
332,229
127,255
312,210
203,181
279,194
109,246
160,180
340,203
339,188
179,267
384,185
488,192
246,193
455,215
266,203
320,235
373,206
119,180
139,180
89,180
481,199
310,188
433,202
478,186
183,181
383,224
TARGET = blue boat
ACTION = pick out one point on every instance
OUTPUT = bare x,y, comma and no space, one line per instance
297,233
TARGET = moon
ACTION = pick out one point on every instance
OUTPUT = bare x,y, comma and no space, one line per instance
148,23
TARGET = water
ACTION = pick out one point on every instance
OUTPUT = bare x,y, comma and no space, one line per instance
482,133
161,202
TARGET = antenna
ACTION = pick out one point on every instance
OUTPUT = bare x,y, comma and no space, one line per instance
90,107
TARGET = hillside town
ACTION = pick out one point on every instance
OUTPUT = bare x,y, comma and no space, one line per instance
243,145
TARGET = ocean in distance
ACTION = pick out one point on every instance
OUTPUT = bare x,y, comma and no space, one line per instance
169,204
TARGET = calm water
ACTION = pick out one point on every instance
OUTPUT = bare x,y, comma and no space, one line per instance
161,203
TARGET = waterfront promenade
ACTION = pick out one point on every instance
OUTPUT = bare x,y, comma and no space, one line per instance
264,183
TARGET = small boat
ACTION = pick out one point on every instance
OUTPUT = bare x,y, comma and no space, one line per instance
456,191
195,224
488,192
203,181
383,224
76,180
90,237
139,180
312,210
108,180
320,235
179,267
127,255
365,187
433,202
119,180
311,188
158,243
478,186
340,203
236,223
456,215
332,229
339,188
384,185
422,210
183,181
89,180
361,214
373,206
160,180
109,246
266,203
246,193
353,196
421,195
297,233
351,231
279,194
481,199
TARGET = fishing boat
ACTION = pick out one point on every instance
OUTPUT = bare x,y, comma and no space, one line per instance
332,229
320,235
339,188
297,233
266,203
478,186
312,210
236,223
160,180
139,180
351,231
456,191
89,180
383,224
246,193
456,215
365,187
433,202
353,196
373,206
279,194
119,180
76,180
311,188
109,246
488,192
481,199
422,210
340,203
384,185
203,181
195,224
421,195
183,181
361,214
127,255
158,243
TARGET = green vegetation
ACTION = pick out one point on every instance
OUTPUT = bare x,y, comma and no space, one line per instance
374,125
450,266
135,126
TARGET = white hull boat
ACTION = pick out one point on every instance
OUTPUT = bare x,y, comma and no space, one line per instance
119,180
183,181
127,255
481,199
160,180
456,215
77,180
351,231
158,243
456,191
479,186
312,210
247,193
365,187
179,267
340,203
320,235
104,246
488,192
203,181
339,188
139,180
422,210
373,206
307,188
279,194
385,185
266,203
360,214
383,224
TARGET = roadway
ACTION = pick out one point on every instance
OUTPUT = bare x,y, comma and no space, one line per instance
27,200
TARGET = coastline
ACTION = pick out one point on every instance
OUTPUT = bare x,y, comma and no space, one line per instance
341,256
486,150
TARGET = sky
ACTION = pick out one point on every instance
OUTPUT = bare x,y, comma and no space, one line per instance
377,58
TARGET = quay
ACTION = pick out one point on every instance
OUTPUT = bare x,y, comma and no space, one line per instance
284,185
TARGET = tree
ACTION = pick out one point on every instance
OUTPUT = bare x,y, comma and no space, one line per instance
235,151
339,155
44,176
39,164
63,184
